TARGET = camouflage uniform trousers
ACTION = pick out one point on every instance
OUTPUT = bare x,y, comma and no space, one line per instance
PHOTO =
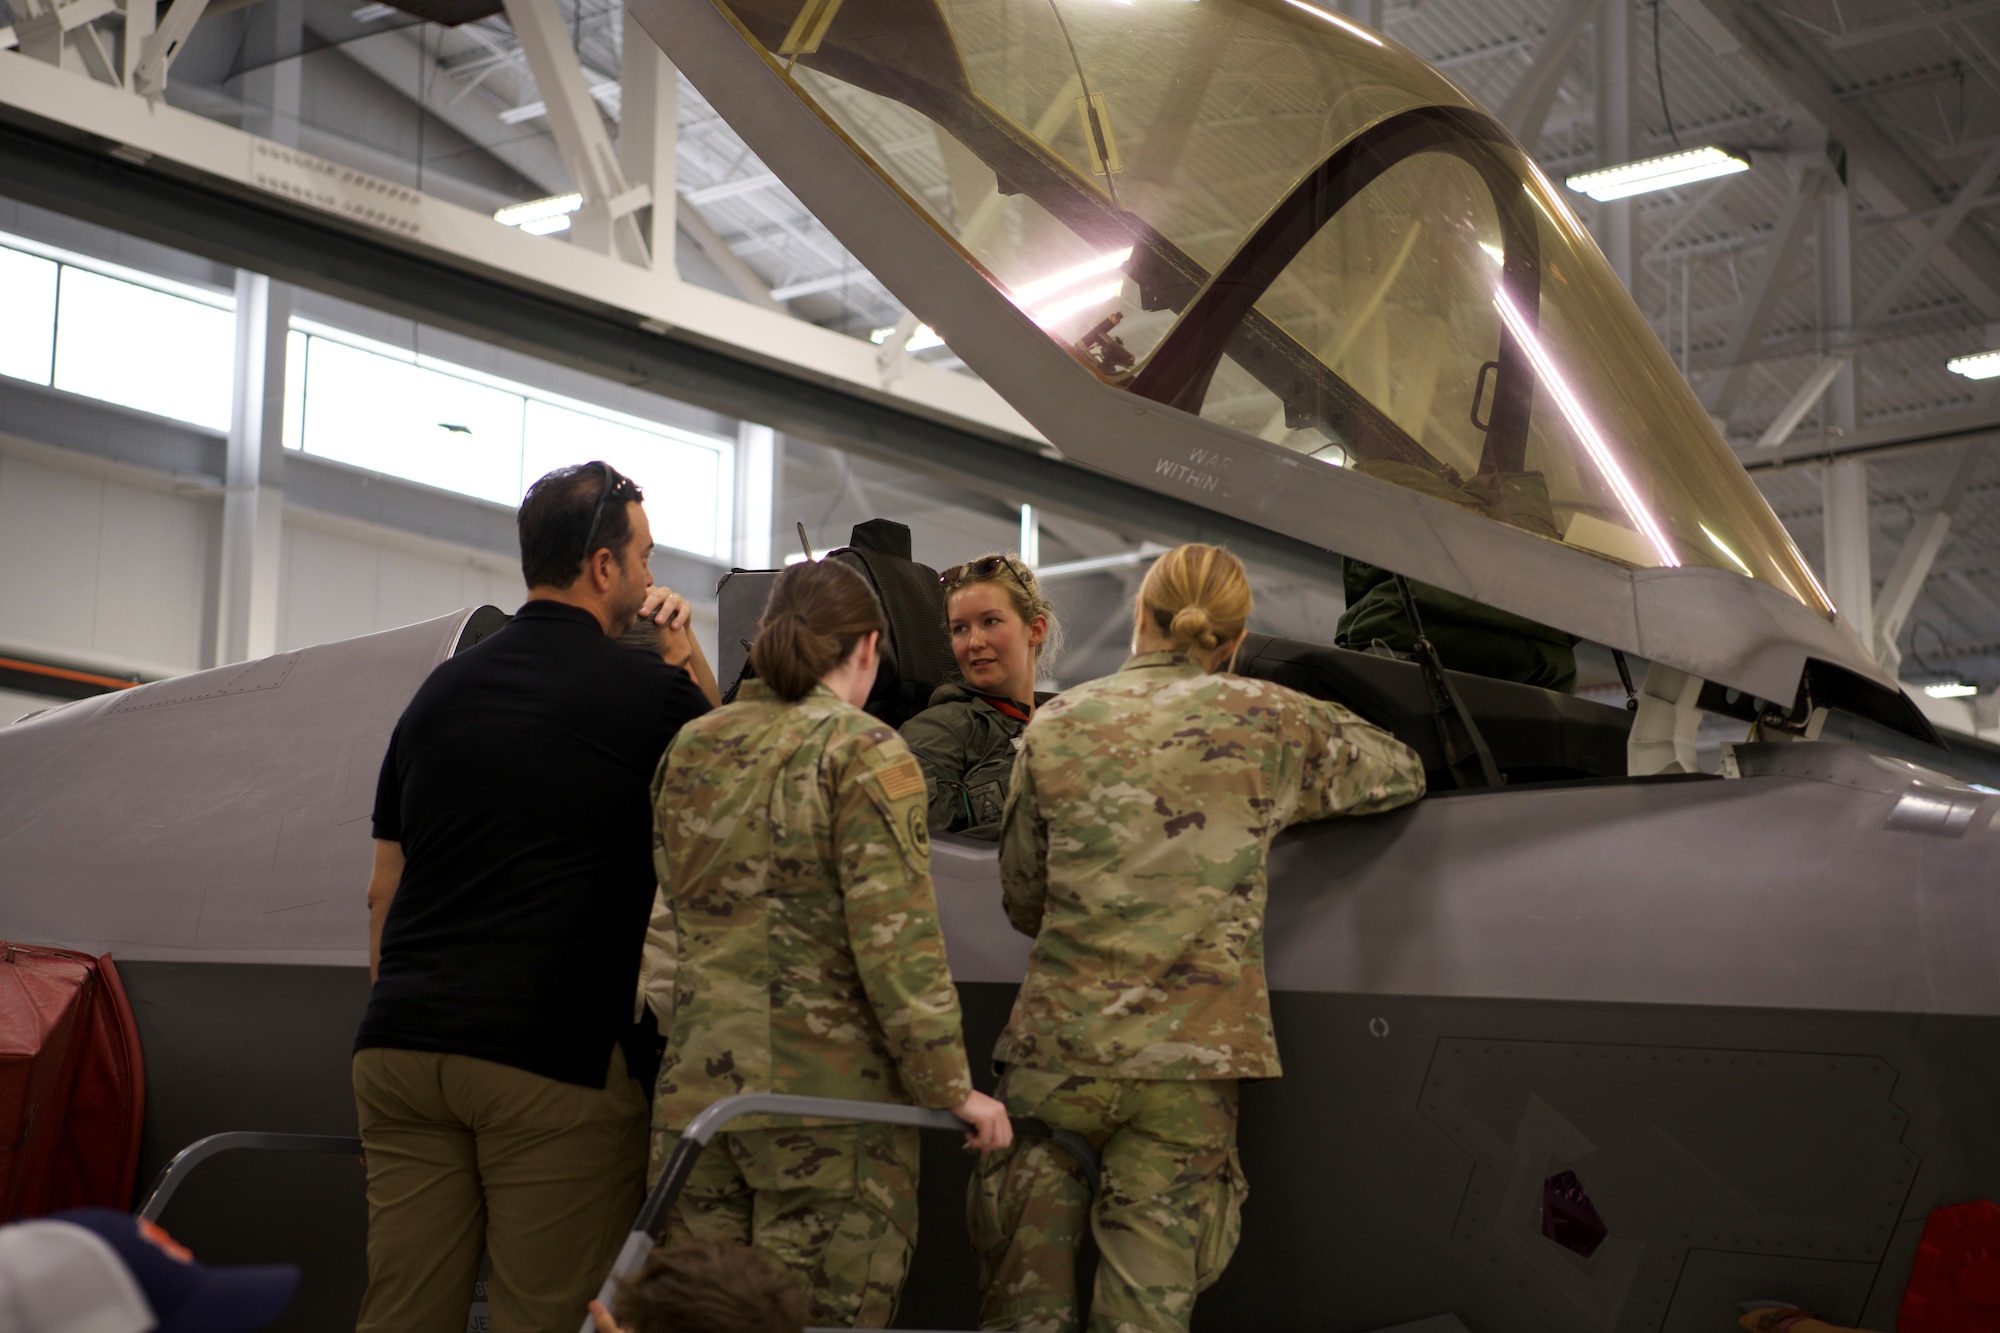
1166,1218
837,1205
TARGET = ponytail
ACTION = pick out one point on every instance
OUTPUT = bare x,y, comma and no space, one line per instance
817,612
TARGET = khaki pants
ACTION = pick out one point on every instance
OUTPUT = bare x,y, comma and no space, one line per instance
466,1156
1166,1218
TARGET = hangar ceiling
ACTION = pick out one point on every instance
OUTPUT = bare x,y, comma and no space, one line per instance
1856,257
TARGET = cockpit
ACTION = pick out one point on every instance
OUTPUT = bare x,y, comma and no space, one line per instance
1263,214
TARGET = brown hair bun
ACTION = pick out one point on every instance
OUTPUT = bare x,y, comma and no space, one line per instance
817,612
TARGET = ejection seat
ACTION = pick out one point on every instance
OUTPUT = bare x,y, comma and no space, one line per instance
1535,735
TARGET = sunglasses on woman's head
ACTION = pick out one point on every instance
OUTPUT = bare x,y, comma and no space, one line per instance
982,569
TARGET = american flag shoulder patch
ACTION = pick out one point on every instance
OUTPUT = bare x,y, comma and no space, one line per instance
901,780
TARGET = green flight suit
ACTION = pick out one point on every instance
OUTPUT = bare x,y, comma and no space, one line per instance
806,958
966,748
1133,851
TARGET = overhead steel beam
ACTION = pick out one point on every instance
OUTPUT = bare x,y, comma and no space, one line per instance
141,18
253,500
1526,109
609,201
1892,181
1781,259
1837,271
47,30
1918,553
1614,54
1920,23
1891,291
156,56
108,122
648,131
398,60
1850,579
394,57
293,246
1970,425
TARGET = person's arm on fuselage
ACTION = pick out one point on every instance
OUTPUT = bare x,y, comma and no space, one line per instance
1352,767
1024,851
383,882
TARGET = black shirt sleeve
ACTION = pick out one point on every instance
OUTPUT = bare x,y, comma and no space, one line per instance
682,701
388,817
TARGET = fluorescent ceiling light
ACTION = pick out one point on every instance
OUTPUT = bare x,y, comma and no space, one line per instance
1978,366
922,338
535,211
546,226
1657,173
1352,29
1951,689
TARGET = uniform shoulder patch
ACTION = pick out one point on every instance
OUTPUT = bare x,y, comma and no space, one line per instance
901,779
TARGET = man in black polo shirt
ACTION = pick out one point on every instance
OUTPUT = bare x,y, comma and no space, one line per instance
513,881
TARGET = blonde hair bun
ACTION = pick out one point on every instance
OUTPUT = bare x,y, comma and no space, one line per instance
1190,625
1198,595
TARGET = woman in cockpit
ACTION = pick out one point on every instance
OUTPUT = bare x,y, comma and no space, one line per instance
1002,628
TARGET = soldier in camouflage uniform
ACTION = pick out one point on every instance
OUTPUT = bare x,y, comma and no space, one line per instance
1002,628
1134,847
809,959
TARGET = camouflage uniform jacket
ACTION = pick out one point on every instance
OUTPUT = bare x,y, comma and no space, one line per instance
1144,805
966,748
810,959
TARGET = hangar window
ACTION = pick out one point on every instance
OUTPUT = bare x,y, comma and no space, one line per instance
121,337
413,416
28,334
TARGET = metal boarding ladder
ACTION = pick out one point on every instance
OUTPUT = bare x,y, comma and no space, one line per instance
192,1156
653,1213
659,1203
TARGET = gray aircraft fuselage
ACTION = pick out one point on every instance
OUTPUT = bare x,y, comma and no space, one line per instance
1754,1016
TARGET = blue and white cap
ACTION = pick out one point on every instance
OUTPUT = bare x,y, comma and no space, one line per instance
97,1270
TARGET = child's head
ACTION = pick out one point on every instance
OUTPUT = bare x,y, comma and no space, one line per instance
711,1286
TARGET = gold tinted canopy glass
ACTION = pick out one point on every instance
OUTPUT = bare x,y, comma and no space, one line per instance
1260,212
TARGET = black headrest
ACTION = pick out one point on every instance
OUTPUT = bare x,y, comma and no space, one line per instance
884,535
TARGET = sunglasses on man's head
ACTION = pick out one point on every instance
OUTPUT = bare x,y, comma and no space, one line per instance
615,483
982,569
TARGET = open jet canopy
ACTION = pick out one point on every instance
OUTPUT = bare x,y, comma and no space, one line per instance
1250,252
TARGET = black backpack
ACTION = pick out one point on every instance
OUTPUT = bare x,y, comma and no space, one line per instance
916,653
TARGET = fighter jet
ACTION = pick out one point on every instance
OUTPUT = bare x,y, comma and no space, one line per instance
1587,1040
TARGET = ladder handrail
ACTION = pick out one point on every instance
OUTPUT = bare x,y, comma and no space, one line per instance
192,1156
701,1130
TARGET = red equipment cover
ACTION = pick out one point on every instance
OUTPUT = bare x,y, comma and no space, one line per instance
1955,1281
72,1084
